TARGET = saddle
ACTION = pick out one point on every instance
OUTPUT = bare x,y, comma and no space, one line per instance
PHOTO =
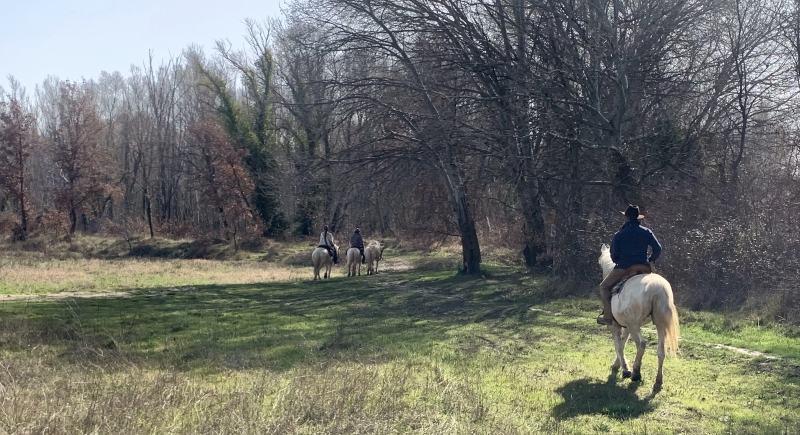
636,269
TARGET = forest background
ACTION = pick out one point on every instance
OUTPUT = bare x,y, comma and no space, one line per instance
523,124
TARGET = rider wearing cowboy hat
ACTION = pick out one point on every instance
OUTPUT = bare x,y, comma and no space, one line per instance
628,248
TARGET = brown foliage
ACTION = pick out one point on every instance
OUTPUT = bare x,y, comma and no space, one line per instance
83,163
225,184
52,222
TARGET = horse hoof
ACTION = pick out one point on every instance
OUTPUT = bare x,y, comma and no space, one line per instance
626,374
636,377
657,387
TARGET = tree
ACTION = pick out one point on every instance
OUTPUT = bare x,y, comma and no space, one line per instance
83,164
414,94
224,182
17,140
247,124
306,93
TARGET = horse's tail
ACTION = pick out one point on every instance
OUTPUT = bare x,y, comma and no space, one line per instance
665,317
317,262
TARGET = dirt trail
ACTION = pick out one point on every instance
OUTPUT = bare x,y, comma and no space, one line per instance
95,295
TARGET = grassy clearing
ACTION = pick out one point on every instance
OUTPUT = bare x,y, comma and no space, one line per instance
414,349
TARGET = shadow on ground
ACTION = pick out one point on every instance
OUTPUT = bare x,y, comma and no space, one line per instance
271,325
613,399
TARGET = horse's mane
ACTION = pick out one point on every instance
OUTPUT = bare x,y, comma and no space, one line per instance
374,243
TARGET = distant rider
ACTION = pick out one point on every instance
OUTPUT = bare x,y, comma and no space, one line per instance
357,242
628,248
326,241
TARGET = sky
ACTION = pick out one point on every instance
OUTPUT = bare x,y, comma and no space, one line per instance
75,39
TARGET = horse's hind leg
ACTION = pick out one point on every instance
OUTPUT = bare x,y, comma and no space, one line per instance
620,337
640,346
661,353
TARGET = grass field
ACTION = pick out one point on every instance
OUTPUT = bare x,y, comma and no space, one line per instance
177,346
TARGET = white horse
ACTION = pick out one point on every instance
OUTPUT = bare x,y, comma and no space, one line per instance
353,262
643,298
322,258
373,254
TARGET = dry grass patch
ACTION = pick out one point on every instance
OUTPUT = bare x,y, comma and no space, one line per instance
102,276
330,397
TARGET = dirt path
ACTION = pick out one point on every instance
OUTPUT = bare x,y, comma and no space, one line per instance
95,295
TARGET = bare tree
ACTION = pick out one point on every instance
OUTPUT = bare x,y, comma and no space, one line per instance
307,97
17,140
416,96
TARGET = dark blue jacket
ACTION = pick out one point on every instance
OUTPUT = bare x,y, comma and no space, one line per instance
356,241
629,245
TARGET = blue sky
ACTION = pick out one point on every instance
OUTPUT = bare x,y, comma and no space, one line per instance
71,39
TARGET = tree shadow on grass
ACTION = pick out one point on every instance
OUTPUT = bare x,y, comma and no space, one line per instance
274,325
592,397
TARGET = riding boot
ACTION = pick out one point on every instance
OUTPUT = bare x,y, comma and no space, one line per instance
606,317
605,295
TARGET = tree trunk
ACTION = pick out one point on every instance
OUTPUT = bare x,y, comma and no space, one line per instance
23,215
470,248
73,219
534,227
148,212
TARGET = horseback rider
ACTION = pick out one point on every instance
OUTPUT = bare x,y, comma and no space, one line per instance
628,248
357,242
326,241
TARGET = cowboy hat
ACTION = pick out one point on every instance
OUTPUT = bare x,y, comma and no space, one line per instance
632,212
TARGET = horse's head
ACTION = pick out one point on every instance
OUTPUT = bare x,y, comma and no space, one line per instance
605,259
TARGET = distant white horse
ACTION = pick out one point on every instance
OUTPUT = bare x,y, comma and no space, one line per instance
353,262
373,254
322,258
643,298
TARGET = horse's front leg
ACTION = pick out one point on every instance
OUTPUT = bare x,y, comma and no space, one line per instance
640,345
620,337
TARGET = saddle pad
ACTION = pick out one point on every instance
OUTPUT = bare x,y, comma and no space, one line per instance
618,286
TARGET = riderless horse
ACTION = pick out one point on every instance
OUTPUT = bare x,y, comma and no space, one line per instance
373,253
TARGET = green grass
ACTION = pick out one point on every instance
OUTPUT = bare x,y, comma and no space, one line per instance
419,351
